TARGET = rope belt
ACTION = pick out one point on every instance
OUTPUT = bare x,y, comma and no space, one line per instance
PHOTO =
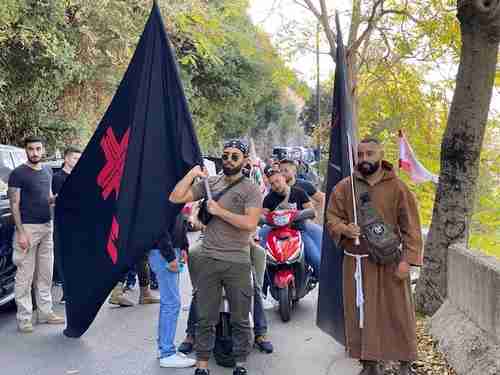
358,277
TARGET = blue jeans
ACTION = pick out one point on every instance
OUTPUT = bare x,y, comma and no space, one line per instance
312,236
170,303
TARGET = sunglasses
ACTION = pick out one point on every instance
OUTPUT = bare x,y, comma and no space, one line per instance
234,157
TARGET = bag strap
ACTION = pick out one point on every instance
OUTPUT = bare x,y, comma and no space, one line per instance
365,205
219,195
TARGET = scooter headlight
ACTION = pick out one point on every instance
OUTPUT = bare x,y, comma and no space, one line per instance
281,220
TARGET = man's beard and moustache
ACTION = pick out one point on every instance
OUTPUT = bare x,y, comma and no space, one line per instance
228,171
367,169
34,159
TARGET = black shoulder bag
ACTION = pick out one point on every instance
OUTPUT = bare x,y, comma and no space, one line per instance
381,241
203,215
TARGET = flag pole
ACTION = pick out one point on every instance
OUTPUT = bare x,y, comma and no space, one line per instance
207,188
400,135
205,181
354,203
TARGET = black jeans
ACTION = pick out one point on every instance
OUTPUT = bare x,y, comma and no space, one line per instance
142,268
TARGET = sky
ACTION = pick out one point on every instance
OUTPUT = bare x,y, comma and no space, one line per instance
272,15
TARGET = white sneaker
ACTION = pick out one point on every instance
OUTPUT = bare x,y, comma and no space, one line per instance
178,360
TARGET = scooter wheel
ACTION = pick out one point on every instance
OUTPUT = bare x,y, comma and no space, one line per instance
285,301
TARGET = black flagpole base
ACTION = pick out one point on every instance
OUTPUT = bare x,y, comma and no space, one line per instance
71,332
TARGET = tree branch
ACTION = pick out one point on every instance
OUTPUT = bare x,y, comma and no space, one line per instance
399,12
309,6
323,18
371,24
330,35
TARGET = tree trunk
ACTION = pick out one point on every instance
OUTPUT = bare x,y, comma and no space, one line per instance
461,146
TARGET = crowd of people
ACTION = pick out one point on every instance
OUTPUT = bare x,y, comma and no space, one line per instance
231,255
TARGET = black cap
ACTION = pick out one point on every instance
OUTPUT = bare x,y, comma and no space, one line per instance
236,143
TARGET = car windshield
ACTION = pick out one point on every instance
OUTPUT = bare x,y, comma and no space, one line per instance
6,165
19,158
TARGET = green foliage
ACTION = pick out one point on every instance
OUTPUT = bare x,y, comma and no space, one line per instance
485,228
61,61
309,115
36,60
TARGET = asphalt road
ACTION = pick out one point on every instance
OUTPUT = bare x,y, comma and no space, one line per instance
121,341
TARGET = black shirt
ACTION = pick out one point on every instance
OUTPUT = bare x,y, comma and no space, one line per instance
296,200
35,191
176,238
309,188
166,247
179,233
58,180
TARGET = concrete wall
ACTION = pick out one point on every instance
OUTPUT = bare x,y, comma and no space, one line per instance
467,326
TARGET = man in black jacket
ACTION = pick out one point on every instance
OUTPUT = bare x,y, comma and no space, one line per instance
71,157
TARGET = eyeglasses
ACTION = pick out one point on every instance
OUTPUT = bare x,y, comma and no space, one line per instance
234,157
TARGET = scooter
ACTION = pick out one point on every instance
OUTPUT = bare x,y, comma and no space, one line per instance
288,275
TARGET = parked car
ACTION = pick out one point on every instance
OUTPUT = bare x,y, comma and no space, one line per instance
10,158
54,164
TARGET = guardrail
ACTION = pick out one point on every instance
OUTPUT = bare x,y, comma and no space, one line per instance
467,326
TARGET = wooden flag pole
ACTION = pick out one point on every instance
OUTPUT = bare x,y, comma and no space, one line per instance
353,191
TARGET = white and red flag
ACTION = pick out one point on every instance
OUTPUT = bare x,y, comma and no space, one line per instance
409,163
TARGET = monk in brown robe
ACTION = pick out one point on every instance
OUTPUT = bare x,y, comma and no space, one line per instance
389,327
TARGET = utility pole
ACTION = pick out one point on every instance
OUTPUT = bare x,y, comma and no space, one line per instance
318,93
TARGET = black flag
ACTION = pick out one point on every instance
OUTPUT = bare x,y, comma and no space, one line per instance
114,205
330,301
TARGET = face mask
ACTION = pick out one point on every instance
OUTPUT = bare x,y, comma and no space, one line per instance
367,169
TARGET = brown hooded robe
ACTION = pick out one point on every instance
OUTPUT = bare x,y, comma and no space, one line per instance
389,314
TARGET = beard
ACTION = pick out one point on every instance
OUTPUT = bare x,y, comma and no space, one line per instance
34,159
367,169
228,171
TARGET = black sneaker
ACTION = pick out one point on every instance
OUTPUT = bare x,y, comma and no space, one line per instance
186,347
239,371
201,371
